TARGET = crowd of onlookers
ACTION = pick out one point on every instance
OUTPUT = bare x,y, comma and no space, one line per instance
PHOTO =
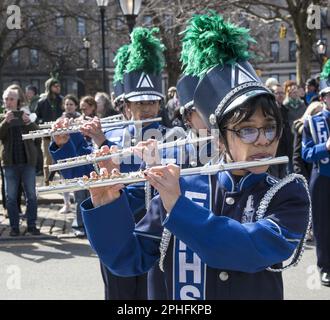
22,160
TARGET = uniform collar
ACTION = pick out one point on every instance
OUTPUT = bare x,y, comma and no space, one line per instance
227,181
153,125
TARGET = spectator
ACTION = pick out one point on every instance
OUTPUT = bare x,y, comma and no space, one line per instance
18,159
104,105
88,107
286,140
32,96
299,165
70,106
171,110
292,102
311,91
270,82
49,108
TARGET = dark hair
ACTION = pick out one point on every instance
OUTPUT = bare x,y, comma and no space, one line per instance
72,98
32,88
244,112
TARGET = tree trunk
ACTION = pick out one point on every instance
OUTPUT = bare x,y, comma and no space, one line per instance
304,40
304,57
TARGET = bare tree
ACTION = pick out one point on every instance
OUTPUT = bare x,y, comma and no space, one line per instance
35,32
293,13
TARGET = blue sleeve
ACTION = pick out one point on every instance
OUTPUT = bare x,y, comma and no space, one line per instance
312,152
76,146
136,197
227,244
110,230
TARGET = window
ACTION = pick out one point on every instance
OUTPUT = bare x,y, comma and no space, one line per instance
147,21
15,57
292,76
31,22
34,57
60,26
81,26
275,51
292,50
275,75
168,22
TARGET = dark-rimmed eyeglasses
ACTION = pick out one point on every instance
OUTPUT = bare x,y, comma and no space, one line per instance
251,134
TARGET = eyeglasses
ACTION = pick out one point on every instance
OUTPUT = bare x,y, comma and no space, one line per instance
251,135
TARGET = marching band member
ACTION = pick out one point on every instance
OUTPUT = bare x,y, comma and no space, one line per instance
139,73
214,237
316,150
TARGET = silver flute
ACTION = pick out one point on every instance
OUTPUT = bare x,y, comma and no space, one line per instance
93,158
85,183
117,117
76,128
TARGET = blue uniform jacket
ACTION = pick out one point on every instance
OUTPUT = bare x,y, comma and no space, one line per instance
315,135
218,250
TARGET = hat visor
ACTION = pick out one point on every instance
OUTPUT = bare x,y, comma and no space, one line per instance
244,98
144,97
324,91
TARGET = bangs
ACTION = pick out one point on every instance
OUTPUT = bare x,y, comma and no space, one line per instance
244,112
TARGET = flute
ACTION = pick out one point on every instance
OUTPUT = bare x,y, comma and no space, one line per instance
92,158
76,128
115,118
85,183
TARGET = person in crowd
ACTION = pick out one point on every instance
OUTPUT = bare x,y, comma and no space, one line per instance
292,102
18,159
171,110
299,165
88,108
270,82
49,108
286,141
31,93
316,150
104,105
311,91
32,96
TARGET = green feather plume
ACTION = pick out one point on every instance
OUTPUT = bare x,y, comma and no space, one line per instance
120,61
146,52
325,71
209,41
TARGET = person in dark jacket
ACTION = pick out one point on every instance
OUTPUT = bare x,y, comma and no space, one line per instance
49,108
299,165
18,159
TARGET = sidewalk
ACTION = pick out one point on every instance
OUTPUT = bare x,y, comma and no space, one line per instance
52,224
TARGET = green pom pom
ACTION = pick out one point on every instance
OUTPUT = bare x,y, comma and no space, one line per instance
325,71
209,41
120,60
146,52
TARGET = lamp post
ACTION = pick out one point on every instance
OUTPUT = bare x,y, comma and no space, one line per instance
102,4
87,45
130,9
